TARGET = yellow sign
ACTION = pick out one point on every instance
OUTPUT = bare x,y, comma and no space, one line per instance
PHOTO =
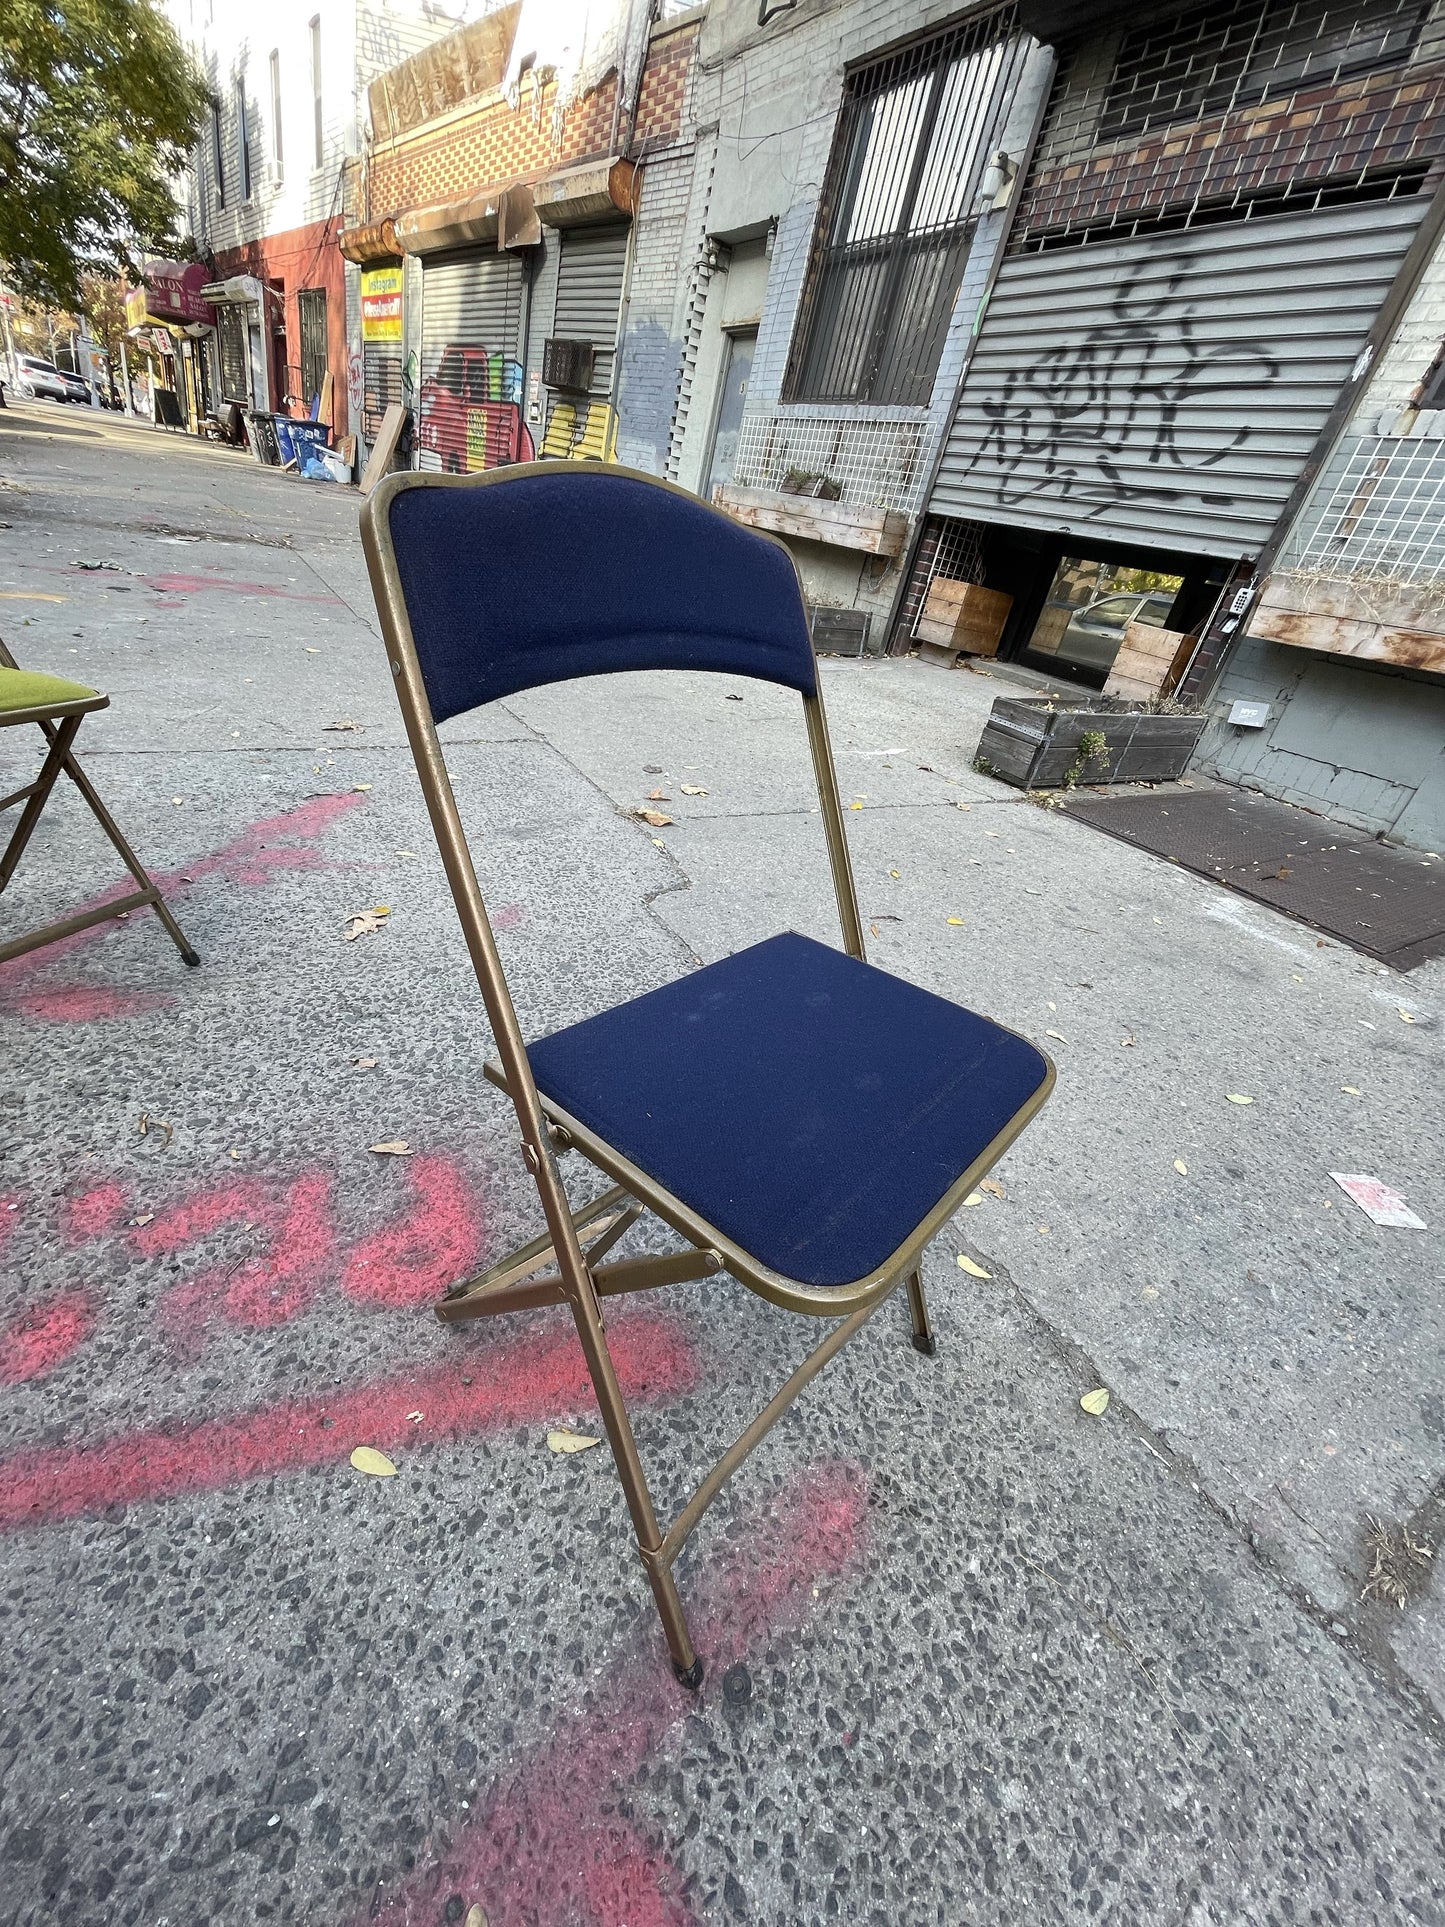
381,304
135,308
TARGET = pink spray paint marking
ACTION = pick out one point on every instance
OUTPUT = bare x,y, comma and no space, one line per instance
531,1381
273,844
95,1212
263,1291
44,1337
184,585
433,1245
548,1847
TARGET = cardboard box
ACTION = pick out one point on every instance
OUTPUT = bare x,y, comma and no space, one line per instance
963,617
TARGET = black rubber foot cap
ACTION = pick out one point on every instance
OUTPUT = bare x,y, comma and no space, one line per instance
924,1345
689,1676
190,957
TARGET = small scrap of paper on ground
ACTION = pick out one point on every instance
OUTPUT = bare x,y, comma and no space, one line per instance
1378,1202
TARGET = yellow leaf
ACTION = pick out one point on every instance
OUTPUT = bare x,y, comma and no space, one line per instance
654,817
855,806
563,1439
367,1459
1349,1090
957,920
893,873
356,787
1235,1098
973,1270
1404,1017
394,1147
693,789
1181,1167
475,1918
1095,1403
1057,1033
381,909
973,1198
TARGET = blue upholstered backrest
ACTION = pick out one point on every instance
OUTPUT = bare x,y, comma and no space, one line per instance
552,572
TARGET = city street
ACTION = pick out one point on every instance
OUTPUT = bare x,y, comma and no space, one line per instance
974,1654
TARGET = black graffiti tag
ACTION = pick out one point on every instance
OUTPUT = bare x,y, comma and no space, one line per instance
1088,418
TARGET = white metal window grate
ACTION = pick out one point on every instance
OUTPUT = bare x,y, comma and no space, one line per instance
1383,520
875,464
1206,113
949,548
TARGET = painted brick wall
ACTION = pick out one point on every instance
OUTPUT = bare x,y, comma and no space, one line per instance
652,347
493,141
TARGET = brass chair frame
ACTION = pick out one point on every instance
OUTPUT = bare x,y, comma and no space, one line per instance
579,1277
59,724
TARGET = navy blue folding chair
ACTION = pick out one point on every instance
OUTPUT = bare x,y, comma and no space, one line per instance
802,1120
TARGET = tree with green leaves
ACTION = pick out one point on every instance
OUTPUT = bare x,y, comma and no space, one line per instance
99,104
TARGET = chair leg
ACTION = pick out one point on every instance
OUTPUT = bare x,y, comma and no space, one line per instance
60,740
128,856
588,1315
918,1310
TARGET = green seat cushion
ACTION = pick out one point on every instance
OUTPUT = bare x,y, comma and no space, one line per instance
28,689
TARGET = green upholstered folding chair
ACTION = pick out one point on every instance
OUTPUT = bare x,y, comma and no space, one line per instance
802,1120
58,708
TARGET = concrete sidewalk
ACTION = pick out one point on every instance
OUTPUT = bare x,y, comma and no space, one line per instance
1006,1662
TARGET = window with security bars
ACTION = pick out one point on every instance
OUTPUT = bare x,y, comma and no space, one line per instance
915,134
1203,113
311,311
1212,57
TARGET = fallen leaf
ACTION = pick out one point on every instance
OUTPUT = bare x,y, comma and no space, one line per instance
658,796
364,1063
693,789
973,1198
235,1155
415,1417
1057,1033
1150,1291
1349,1090
381,909
1127,1043
404,853
973,1270
1404,1017
654,817
734,699
993,1187
956,804
362,786
874,929
475,1918
394,1147
1044,1231
1235,1098
149,1124
312,652
367,1459
345,723
178,800
957,920
855,806
365,923
1181,1167
144,1218
563,1439
1095,1403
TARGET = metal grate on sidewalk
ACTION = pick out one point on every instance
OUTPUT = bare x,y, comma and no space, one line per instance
1386,901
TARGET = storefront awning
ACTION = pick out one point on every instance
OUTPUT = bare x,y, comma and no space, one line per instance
599,191
371,244
501,215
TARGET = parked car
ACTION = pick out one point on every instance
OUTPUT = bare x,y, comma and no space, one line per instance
33,376
77,387
1095,634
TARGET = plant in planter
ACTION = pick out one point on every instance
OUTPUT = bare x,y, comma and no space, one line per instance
1056,743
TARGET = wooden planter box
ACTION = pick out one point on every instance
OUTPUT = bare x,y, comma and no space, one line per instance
960,618
1034,743
846,525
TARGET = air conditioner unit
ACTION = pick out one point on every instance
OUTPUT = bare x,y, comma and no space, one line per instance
567,366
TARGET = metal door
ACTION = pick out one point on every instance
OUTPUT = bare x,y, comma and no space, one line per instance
471,323
1167,390
590,273
732,399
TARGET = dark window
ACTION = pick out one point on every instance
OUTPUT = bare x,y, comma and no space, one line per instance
915,135
243,138
235,357
218,154
1432,388
311,309
316,84
277,152
1210,58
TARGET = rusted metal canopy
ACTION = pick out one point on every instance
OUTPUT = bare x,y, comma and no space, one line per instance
501,213
597,191
375,242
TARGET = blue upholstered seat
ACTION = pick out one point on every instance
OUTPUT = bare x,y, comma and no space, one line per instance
809,1106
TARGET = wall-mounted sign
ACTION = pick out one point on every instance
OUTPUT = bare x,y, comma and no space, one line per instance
381,304
175,292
